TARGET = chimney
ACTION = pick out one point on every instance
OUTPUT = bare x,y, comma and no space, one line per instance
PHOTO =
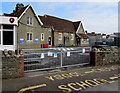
18,7
93,33
45,15
86,31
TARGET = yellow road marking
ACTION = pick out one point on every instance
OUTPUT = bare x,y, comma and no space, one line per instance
113,77
101,69
89,72
32,87
111,81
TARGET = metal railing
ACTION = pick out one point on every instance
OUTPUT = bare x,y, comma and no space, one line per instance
51,58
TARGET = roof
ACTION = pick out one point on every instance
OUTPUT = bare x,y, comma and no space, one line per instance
57,24
94,34
21,12
76,25
16,14
117,34
111,36
85,36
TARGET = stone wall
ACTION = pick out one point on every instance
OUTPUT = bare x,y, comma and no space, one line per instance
12,66
104,57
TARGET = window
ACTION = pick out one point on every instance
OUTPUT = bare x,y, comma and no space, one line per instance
29,36
60,36
42,36
29,20
49,30
0,34
0,37
87,40
72,36
10,38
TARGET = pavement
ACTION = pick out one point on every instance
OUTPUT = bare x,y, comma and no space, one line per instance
81,79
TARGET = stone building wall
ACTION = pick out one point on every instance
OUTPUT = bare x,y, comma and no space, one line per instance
12,66
36,29
68,41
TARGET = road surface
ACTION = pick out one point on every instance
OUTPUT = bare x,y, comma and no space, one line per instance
72,80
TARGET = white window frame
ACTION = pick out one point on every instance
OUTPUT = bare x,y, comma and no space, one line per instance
29,21
60,36
42,36
29,36
87,40
0,26
72,36
49,30
1,32
0,37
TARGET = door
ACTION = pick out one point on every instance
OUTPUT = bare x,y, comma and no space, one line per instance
64,41
8,38
78,41
49,41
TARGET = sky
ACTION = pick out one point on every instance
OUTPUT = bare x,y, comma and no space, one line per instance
99,17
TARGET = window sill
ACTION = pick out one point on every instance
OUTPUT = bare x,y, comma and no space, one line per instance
30,24
59,39
29,40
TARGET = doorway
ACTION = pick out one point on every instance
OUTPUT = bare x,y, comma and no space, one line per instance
78,41
8,37
64,40
50,41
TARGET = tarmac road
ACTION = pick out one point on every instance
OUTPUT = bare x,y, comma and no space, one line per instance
85,80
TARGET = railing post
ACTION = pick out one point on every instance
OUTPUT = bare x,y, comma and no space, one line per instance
17,48
61,58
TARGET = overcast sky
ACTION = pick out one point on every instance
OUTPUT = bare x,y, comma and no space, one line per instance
100,17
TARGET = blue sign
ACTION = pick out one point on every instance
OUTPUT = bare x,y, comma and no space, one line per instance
36,40
55,54
58,42
21,41
81,53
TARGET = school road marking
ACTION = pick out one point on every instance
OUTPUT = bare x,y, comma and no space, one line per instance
32,87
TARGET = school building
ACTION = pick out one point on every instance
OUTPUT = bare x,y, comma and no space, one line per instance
24,28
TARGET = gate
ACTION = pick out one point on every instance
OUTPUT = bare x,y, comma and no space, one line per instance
51,58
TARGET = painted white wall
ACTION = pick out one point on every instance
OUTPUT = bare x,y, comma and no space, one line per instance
6,20
80,29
